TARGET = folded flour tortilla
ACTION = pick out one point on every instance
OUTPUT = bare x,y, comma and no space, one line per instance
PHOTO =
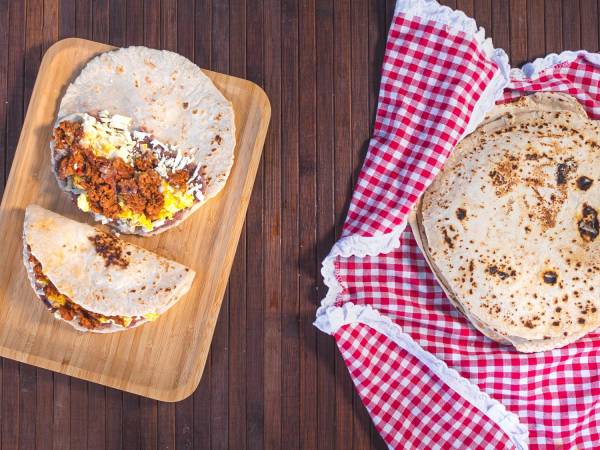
154,96
510,225
94,280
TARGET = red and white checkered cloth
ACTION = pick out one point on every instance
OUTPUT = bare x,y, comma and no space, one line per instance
427,377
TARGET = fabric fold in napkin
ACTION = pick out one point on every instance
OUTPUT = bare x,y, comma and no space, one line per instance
427,377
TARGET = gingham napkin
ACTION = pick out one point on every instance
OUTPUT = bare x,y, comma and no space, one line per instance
427,377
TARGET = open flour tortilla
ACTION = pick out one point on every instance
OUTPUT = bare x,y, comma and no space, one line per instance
140,283
168,97
510,225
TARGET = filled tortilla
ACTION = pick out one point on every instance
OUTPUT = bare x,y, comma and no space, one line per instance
130,179
510,225
154,112
93,280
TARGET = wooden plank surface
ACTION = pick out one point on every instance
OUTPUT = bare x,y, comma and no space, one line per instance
272,380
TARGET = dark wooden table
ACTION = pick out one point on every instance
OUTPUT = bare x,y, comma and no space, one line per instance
272,381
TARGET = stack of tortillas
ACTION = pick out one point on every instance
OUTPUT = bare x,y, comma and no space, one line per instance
510,225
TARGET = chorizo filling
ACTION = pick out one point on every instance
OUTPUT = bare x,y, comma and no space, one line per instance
61,305
120,176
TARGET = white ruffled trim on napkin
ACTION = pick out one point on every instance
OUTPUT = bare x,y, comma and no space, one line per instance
453,18
492,92
532,69
507,421
346,247
458,21
330,317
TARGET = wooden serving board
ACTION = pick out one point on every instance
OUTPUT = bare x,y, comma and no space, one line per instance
164,359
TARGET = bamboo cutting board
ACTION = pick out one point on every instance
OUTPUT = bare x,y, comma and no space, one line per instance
164,359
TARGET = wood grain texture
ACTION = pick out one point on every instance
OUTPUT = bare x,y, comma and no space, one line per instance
172,352
271,380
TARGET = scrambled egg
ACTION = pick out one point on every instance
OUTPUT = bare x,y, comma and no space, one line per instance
135,219
82,203
151,317
174,201
57,300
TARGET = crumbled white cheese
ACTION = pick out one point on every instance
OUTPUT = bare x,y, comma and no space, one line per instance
177,160
105,139
139,135
195,174
120,122
196,191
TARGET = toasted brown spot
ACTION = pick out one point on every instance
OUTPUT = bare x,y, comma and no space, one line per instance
447,238
529,324
110,248
562,172
461,213
588,226
584,183
550,277
502,274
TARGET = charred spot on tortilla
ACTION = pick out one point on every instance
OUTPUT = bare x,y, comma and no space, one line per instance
584,183
502,274
550,277
563,170
588,226
461,213
110,248
497,178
